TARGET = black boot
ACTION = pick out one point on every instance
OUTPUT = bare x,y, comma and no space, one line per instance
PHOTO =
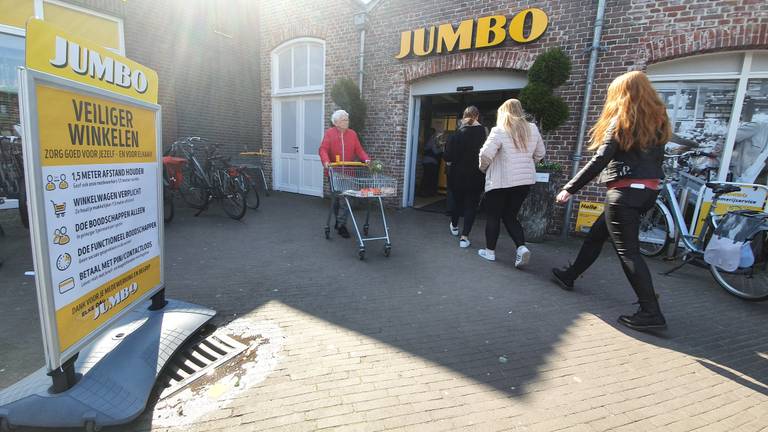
564,278
648,317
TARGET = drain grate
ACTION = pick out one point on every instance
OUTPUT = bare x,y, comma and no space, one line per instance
198,360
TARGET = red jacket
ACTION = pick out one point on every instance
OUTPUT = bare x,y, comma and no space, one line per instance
346,146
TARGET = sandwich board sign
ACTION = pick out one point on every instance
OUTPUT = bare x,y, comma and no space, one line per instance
93,167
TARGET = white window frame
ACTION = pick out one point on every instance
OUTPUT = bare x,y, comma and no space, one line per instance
741,78
275,72
39,13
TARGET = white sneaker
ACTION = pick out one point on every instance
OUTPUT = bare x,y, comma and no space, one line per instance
454,230
489,255
523,256
464,243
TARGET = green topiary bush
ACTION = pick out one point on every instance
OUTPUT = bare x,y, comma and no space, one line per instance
550,70
555,114
551,67
346,95
534,98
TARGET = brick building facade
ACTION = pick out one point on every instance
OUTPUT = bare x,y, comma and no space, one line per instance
636,35
206,56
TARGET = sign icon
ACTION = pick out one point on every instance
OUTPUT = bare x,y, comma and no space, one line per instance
60,236
66,285
59,209
50,185
63,261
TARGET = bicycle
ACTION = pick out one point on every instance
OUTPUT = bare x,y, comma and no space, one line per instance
656,224
209,181
12,185
246,182
749,283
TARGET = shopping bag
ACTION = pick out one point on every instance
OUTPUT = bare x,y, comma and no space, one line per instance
747,258
723,253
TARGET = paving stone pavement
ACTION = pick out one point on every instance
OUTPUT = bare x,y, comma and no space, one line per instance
434,338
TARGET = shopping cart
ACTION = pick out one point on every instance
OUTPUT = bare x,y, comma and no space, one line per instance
356,180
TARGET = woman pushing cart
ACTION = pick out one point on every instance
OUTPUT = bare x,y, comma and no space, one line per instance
349,178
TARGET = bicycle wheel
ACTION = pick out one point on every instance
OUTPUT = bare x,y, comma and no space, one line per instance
23,211
168,210
251,192
232,199
192,189
749,283
654,231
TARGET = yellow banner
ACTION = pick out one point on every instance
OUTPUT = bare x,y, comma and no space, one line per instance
77,130
51,50
588,214
86,314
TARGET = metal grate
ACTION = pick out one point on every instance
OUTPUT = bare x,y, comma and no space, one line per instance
197,360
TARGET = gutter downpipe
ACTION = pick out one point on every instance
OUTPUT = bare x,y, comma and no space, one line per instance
362,59
576,158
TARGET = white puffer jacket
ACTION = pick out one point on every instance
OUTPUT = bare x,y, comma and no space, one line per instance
504,165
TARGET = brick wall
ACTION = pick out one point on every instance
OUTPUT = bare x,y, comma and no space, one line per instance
328,20
206,54
636,33
387,89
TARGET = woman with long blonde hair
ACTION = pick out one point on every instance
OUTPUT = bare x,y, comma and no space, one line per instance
508,159
628,140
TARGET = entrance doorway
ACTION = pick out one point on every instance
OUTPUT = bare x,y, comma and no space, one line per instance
299,131
438,119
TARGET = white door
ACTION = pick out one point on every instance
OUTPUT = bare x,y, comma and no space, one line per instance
298,132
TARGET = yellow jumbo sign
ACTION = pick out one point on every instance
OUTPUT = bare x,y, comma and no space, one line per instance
49,50
488,31
94,181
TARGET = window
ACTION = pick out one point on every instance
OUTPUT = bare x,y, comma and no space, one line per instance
704,97
103,29
11,57
299,68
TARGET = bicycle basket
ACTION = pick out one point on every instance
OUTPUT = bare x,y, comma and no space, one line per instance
173,167
741,225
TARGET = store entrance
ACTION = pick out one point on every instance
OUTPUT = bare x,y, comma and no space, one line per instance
438,119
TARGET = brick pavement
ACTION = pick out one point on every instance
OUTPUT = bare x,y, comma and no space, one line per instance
415,342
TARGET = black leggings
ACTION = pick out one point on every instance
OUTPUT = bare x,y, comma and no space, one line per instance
621,222
464,204
503,205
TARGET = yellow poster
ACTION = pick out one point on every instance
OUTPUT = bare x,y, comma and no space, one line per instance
76,129
588,214
749,198
53,51
100,179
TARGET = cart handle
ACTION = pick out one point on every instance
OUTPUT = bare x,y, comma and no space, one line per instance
349,164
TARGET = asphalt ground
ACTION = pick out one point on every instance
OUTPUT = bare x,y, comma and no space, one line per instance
433,337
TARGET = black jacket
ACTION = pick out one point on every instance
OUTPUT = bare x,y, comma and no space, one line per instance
463,153
616,164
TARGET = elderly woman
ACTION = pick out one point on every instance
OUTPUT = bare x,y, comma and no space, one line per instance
340,144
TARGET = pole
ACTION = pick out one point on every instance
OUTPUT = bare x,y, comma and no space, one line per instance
576,157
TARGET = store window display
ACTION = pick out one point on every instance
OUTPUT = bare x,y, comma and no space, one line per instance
750,151
700,114
11,57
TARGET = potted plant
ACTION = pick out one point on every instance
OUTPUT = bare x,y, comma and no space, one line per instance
536,213
550,70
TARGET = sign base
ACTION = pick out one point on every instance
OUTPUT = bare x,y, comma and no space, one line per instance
115,374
